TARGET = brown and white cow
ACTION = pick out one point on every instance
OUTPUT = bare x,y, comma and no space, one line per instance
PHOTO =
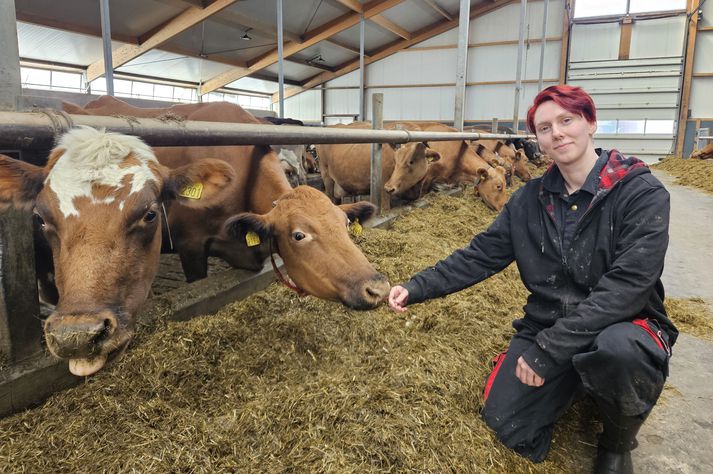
98,204
102,217
411,170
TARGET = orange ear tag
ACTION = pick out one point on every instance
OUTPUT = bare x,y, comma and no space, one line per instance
356,228
252,239
192,191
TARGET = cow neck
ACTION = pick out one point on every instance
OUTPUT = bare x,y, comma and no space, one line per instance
282,278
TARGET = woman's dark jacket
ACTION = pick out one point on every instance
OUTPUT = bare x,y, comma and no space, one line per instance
610,273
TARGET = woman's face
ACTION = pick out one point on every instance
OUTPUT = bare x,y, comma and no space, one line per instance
566,137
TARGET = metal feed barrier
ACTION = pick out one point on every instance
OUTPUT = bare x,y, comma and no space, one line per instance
27,374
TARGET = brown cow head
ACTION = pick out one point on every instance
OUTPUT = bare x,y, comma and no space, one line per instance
410,166
491,187
493,159
310,234
520,166
98,205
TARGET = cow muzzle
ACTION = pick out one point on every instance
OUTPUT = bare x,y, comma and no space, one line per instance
369,293
88,340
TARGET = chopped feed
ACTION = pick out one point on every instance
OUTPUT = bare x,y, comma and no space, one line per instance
689,172
277,383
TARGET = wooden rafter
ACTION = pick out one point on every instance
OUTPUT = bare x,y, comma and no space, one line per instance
174,27
380,20
389,25
423,34
343,46
438,8
341,23
96,32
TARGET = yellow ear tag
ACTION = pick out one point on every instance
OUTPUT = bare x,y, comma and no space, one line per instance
356,228
192,191
252,239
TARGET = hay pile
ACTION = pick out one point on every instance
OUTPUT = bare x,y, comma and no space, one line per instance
692,316
275,383
695,173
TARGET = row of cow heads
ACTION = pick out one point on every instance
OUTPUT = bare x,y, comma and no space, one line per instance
413,162
98,204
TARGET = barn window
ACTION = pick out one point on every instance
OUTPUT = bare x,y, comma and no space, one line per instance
606,126
592,8
659,126
631,126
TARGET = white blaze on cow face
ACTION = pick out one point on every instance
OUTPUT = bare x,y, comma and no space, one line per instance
94,158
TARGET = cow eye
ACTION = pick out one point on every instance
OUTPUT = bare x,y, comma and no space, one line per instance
38,218
150,216
298,236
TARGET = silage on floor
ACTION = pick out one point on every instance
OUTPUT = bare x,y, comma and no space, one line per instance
275,383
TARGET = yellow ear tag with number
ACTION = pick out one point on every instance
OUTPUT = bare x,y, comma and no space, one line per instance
192,191
356,228
252,239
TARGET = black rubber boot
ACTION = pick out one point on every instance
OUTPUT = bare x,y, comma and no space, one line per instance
617,440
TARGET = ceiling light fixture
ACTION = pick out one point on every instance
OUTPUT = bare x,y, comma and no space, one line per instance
316,59
246,36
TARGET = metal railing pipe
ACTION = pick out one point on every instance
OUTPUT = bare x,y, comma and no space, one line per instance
37,130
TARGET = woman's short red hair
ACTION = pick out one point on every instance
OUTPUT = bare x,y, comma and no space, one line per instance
571,98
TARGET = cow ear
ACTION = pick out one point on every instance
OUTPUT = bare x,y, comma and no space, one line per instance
480,148
361,210
432,155
395,146
204,183
246,226
20,183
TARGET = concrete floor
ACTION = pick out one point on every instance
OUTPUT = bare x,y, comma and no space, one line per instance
678,436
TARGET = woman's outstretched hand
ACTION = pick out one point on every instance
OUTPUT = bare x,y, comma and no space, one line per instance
398,298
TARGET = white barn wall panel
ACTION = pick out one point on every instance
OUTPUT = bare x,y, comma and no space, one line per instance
307,106
659,37
594,42
502,24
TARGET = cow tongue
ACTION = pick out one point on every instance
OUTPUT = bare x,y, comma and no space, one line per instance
85,367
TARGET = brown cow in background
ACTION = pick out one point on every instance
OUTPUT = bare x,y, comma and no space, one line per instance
409,171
